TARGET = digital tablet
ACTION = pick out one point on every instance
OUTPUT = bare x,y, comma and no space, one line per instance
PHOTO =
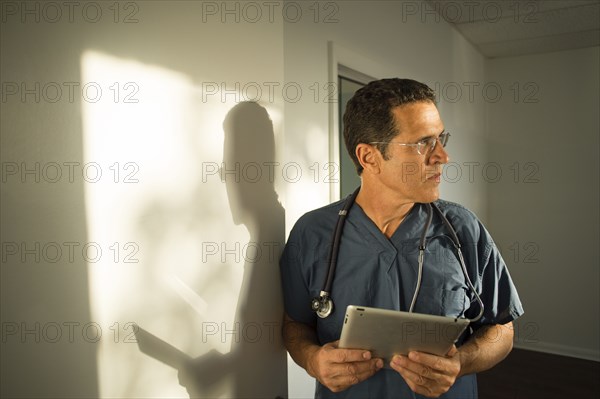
390,332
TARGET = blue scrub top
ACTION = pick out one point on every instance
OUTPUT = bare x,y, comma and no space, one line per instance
375,271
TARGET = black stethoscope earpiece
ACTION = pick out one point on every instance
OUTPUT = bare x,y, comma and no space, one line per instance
323,304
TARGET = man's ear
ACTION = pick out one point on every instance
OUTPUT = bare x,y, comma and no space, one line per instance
369,157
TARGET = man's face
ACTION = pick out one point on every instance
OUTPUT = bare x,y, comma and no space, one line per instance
414,177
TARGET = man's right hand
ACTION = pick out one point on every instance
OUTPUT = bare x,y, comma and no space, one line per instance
339,369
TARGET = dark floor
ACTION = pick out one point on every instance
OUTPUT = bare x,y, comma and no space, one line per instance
527,374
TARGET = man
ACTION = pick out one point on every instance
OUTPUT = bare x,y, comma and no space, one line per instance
394,134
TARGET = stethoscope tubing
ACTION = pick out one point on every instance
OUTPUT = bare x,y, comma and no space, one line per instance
337,236
323,305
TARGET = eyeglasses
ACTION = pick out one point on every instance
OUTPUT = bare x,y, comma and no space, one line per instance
425,146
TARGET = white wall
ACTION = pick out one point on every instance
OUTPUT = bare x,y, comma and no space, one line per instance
545,217
185,256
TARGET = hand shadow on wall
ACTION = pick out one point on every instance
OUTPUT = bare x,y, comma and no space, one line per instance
250,368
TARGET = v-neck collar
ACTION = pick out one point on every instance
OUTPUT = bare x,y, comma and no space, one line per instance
410,227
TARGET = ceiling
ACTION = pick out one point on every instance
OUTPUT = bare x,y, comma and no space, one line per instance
504,28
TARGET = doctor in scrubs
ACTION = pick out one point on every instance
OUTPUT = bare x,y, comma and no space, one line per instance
396,138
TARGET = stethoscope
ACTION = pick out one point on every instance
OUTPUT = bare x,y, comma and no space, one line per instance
323,304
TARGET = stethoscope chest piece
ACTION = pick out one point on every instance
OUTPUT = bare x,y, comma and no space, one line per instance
322,305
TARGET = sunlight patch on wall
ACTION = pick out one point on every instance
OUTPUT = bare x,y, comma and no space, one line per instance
153,205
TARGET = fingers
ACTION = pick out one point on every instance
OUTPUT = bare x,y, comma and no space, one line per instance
419,378
432,364
340,376
341,368
426,374
453,351
420,372
346,355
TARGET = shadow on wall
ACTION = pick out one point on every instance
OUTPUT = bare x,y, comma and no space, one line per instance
256,357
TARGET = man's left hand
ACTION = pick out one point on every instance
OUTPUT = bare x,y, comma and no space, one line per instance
426,374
